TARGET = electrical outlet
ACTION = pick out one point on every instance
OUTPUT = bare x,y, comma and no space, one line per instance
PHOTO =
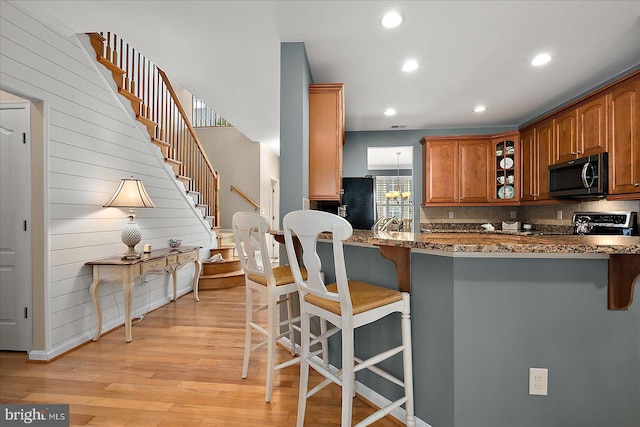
512,214
451,215
538,381
558,214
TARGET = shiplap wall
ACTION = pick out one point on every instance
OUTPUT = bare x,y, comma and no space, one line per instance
93,142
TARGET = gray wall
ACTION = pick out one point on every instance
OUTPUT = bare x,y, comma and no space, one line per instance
295,77
514,314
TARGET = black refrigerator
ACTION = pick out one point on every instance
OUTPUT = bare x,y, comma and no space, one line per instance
360,200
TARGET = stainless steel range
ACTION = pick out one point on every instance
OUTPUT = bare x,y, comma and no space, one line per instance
624,223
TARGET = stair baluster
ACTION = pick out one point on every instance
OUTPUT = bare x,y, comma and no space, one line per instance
157,106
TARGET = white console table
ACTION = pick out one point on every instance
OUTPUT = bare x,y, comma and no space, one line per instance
126,271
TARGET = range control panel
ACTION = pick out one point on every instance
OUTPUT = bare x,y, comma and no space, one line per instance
623,222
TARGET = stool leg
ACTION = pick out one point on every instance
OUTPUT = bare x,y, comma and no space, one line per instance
272,307
304,367
348,375
292,337
324,343
247,330
407,361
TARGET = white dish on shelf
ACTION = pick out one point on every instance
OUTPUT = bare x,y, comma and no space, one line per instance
506,163
506,192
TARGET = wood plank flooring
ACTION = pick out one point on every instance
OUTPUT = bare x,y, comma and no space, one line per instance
183,368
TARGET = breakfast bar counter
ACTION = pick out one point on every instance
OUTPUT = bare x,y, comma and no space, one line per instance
487,307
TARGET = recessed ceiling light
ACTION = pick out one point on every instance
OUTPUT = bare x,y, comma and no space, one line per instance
389,112
410,65
479,109
391,20
541,59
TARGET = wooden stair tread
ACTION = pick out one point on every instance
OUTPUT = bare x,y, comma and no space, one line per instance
110,65
172,161
226,260
146,121
130,96
183,178
221,267
160,142
224,246
235,273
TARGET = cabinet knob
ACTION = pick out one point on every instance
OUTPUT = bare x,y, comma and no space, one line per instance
637,184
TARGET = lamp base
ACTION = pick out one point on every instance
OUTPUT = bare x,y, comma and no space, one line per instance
131,236
128,255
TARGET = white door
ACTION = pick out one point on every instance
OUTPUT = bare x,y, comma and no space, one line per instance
15,254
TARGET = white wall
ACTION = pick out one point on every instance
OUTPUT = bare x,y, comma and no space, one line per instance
91,142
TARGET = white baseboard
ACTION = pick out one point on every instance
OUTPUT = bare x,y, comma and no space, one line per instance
78,340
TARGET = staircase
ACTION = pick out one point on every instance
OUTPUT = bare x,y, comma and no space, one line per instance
221,275
157,107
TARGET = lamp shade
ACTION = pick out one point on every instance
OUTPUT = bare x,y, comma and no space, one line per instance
130,194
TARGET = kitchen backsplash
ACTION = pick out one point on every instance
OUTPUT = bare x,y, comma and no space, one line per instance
546,217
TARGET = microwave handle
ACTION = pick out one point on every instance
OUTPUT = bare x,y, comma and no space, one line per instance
584,175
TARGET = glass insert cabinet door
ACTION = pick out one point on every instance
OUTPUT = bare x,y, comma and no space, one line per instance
505,167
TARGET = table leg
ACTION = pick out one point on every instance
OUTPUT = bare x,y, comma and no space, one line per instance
196,280
174,274
127,288
93,292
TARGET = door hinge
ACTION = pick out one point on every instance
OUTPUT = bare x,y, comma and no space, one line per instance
24,225
26,312
24,138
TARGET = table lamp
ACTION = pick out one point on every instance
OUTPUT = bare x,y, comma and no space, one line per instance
130,194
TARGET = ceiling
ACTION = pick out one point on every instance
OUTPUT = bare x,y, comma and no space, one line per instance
470,52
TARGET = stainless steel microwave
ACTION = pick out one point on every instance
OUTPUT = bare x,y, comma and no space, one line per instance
584,177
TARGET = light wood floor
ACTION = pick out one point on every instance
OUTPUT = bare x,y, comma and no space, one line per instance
183,368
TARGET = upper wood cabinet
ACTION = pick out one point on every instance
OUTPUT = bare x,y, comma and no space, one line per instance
326,138
537,149
529,169
581,131
544,152
457,170
441,171
475,171
566,134
624,139
592,127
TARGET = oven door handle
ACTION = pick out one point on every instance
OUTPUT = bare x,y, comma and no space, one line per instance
584,177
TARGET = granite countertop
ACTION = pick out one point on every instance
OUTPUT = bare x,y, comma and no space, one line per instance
501,242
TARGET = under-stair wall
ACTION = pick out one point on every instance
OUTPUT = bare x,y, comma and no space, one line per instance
91,142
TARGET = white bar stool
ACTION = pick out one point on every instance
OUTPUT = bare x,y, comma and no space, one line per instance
249,231
347,304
